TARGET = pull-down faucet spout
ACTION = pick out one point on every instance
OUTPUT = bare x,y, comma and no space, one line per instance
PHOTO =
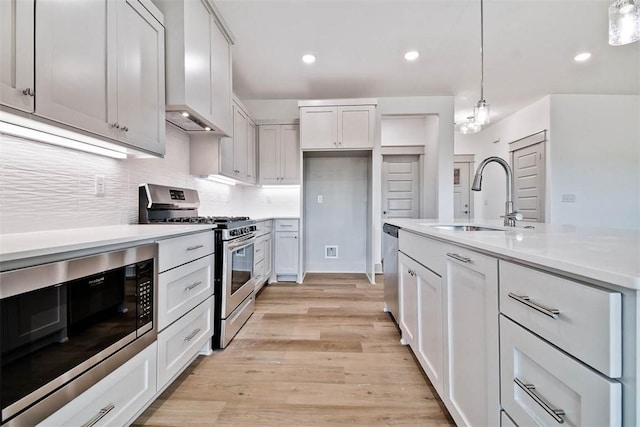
510,216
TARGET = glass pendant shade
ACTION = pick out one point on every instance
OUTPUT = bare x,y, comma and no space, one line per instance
470,126
624,22
481,113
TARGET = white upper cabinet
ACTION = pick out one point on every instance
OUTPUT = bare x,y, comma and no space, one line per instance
198,66
279,154
335,127
100,68
16,54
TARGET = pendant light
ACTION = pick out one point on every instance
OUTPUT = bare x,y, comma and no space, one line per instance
481,110
470,126
624,22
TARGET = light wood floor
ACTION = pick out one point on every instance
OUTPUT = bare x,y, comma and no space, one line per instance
321,353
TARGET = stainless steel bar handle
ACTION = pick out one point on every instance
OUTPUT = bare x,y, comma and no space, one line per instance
193,248
523,299
239,243
192,334
188,288
100,415
530,389
464,259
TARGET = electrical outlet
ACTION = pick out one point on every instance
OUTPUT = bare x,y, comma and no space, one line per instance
319,198
568,198
100,190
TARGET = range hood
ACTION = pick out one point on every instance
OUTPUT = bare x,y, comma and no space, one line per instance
188,120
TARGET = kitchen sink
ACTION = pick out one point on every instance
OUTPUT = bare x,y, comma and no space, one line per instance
465,228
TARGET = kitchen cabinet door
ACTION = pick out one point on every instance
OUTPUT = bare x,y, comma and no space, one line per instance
240,123
76,51
268,258
251,151
319,128
270,154
286,253
16,54
356,127
140,78
408,297
290,154
221,79
472,351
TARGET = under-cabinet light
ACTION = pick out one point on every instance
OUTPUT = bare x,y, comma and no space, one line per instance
280,187
22,127
220,179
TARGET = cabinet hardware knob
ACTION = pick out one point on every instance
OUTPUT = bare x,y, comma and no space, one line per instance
29,92
530,389
115,125
523,299
126,129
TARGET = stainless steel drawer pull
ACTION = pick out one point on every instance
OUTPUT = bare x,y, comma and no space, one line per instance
188,288
192,334
193,248
459,257
551,312
100,415
530,389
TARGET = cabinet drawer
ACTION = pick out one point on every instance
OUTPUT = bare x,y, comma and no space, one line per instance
583,311
121,395
181,289
427,252
181,250
258,252
286,225
561,383
180,342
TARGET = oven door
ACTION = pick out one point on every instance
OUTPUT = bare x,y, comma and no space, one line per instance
238,279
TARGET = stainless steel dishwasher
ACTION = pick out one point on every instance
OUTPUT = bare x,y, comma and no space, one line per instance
390,266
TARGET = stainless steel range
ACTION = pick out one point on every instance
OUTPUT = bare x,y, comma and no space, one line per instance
234,281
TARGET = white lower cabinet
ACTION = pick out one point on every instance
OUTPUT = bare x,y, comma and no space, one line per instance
542,386
116,399
178,344
421,317
286,249
471,308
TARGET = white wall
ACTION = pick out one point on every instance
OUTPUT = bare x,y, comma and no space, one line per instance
272,109
44,187
595,154
340,219
494,141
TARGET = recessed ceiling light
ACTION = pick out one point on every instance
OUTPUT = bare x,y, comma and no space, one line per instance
308,59
412,55
582,56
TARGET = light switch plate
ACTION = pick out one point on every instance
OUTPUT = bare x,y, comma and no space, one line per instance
100,186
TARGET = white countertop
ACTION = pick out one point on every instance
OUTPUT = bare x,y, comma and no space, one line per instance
604,254
21,246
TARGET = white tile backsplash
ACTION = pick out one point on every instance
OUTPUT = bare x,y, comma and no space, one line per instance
44,187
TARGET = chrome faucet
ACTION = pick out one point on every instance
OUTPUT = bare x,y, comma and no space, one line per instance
510,216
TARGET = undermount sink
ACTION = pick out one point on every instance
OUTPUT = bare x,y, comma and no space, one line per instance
465,228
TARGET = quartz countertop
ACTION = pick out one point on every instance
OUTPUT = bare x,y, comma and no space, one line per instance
18,248
604,254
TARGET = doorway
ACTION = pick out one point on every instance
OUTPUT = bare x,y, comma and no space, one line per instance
463,169
527,157
400,186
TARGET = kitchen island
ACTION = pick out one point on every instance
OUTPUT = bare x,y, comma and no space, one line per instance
524,325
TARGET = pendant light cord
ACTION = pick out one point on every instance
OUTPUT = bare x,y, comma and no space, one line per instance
481,51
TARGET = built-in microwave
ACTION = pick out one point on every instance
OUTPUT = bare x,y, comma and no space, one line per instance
61,322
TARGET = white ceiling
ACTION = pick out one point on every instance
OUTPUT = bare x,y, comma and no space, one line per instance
529,47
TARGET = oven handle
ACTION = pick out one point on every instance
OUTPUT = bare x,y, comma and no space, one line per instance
243,241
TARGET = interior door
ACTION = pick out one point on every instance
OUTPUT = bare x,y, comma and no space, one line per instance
461,190
529,178
400,187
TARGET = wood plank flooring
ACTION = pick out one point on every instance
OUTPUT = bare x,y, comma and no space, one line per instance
317,354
